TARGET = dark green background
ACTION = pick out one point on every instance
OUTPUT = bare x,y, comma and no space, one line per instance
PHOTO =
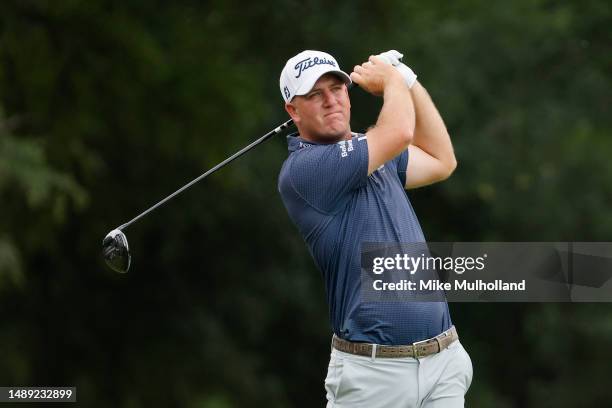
108,106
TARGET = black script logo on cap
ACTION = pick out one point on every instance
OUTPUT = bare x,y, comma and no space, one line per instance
304,64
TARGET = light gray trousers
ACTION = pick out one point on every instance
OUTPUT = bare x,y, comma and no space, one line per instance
436,381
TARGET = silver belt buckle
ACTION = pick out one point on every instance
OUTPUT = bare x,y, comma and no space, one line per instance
415,347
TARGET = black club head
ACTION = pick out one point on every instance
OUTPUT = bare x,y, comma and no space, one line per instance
116,251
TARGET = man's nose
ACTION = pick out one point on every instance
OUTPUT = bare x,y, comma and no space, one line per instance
329,98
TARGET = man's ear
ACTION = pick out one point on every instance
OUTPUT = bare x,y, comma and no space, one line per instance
292,111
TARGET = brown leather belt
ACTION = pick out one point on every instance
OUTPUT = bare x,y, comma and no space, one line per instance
416,350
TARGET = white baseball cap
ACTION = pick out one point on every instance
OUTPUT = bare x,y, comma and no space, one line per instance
302,71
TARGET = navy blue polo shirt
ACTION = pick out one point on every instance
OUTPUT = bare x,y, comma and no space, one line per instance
336,206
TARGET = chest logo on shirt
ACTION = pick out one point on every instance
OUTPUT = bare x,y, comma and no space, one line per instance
302,145
377,174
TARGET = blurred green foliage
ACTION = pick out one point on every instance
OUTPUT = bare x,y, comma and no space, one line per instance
109,106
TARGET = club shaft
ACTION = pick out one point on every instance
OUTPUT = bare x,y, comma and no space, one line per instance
262,139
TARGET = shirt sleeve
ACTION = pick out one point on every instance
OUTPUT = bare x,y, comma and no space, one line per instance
325,175
402,162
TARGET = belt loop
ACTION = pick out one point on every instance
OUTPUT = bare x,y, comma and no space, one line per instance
439,345
374,351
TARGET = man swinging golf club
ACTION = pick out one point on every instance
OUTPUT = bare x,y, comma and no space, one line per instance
342,189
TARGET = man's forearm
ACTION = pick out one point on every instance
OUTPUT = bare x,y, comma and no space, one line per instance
398,112
430,133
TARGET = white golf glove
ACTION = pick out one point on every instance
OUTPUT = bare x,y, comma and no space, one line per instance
393,57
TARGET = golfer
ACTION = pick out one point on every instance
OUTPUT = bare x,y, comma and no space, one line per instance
342,189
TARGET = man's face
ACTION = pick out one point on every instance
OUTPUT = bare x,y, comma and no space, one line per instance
324,113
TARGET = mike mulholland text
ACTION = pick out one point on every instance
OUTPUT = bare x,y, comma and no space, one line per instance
434,284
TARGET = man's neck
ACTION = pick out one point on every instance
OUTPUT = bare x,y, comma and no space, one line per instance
326,140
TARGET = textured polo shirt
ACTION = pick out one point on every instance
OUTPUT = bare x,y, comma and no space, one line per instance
336,207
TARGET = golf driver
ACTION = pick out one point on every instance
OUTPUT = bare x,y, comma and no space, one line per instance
115,245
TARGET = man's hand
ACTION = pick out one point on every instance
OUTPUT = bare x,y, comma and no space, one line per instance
395,125
394,58
375,76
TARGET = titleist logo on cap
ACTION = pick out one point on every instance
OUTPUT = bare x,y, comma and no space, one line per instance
304,69
304,64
